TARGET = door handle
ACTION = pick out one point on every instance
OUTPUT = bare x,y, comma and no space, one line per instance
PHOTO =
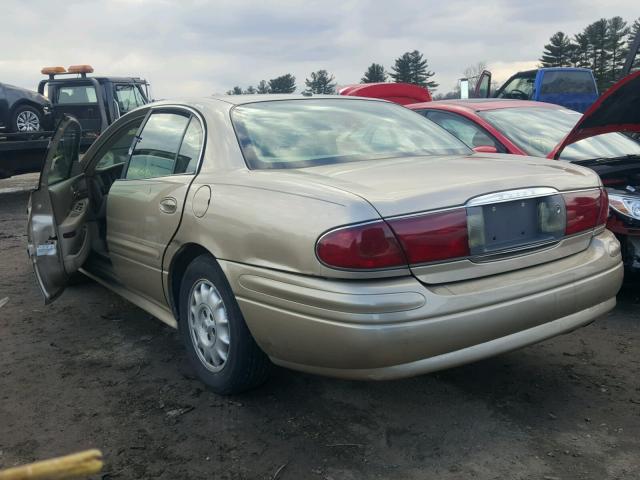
168,205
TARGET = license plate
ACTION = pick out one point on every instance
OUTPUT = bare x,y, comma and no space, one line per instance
516,224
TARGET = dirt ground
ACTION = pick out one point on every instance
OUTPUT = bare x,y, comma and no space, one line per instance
92,370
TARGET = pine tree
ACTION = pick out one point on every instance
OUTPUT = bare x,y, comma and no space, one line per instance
411,67
250,90
580,56
597,34
321,82
634,31
283,84
402,69
235,91
617,32
557,53
374,74
263,87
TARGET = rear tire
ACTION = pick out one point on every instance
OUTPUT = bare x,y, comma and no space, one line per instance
218,342
26,119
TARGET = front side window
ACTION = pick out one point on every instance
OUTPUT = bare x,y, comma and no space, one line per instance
470,133
520,88
117,150
128,98
305,133
155,154
65,155
538,130
77,94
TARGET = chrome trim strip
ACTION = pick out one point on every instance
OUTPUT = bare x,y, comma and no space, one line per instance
511,195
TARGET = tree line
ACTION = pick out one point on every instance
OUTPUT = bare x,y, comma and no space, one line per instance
410,67
602,46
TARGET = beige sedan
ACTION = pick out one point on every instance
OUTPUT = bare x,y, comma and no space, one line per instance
340,236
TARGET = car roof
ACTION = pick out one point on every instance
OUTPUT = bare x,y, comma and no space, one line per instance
480,104
269,97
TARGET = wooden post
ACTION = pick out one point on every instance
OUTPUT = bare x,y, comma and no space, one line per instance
74,466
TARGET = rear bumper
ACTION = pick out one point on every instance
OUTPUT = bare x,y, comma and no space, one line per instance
391,328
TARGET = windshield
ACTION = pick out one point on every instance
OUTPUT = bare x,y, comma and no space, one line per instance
538,130
304,133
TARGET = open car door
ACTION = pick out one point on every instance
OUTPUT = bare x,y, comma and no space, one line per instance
57,235
483,85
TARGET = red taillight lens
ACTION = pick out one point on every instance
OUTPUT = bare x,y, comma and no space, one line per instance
585,210
368,246
604,207
433,237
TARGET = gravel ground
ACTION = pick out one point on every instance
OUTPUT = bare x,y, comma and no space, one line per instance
92,370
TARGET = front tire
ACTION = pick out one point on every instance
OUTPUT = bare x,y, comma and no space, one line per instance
216,337
26,119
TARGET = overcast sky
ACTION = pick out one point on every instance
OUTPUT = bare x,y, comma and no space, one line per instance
187,48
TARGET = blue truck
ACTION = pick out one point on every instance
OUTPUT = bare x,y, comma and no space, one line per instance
571,87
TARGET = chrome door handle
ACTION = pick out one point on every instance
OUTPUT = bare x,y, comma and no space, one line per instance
168,205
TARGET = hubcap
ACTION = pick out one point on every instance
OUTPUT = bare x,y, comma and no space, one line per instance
209,325
27,121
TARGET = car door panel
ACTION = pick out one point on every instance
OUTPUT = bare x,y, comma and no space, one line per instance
143,214
57,236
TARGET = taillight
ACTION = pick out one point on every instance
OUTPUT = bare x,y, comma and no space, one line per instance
604,207
433,237
585,210
367,246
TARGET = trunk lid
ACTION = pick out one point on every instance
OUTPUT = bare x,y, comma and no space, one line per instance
617,110
402,186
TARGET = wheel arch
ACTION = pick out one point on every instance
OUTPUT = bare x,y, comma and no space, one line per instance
26,102
179,263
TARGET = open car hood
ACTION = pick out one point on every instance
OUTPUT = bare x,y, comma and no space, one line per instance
402,93
617,110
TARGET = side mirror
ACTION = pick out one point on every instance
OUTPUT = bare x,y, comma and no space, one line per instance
485,149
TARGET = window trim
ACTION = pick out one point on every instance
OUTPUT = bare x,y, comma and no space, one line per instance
170,108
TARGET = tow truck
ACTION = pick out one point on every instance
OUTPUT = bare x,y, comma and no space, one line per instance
95,101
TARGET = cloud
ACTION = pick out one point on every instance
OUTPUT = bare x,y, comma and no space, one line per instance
200,47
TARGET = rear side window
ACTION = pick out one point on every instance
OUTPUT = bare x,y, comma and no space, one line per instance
190,149
77,94
567,82
155,153
464,129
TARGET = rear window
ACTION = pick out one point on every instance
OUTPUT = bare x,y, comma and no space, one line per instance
567,82
304,133
77,94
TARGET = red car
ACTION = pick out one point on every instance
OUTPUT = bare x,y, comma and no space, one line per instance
538,129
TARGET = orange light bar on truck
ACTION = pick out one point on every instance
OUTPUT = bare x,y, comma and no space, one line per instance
80,69
52,70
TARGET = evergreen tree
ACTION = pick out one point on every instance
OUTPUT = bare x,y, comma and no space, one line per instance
374,74
321,82
634,31
283,84
616,45
597,35
263,87
235,91
557,53
250,90
411,67
580,56
402,72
